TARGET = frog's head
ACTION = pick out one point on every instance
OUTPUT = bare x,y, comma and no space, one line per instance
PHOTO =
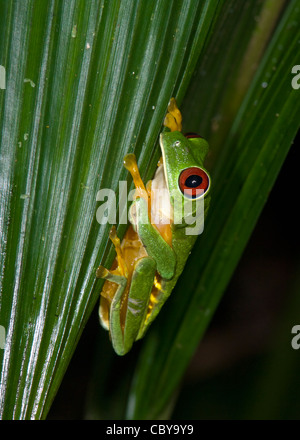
187,180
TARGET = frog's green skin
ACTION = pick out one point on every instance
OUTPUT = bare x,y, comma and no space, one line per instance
178,154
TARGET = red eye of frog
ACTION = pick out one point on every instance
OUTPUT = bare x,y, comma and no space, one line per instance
193,182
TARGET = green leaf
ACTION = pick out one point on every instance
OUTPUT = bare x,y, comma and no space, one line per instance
86,82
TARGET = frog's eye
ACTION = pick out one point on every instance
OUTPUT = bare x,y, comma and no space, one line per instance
193,182
192,135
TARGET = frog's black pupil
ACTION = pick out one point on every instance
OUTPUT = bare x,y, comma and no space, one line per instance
193,181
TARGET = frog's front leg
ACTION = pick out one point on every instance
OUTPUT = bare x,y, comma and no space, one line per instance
124,331
156,247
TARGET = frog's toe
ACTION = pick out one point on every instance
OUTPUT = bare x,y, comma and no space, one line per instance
102,272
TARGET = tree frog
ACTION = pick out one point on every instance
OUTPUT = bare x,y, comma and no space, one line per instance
155,247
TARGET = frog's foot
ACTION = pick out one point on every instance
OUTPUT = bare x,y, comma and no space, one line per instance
105,274
173,119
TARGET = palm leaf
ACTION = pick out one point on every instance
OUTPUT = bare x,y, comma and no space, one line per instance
86,82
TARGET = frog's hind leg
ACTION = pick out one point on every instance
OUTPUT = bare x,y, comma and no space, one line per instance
123,336
116,289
